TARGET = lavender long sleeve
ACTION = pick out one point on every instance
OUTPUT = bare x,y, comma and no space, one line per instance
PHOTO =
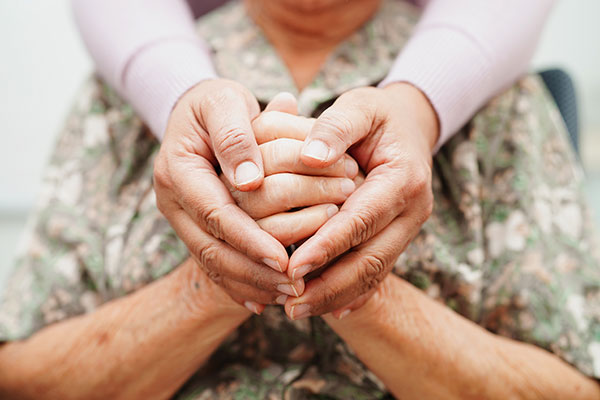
461,54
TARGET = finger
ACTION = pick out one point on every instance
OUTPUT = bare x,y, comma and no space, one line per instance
276,125
252,306
282,192
284,102
243,294
386,193
220,261
283,155
194,186
346,122
356,273
227,115
291,227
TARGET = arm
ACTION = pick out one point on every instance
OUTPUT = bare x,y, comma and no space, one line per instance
149,343
464,52
148,50
144,345
421,349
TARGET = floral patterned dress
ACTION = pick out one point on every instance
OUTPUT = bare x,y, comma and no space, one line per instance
510,244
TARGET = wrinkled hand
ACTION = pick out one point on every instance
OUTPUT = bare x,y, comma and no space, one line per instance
224,240
210,126
391,133
311,193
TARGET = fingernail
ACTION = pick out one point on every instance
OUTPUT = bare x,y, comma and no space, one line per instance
316,149
300,311
273,264
288,289
281,299
351,168
246,172
344,314
252,306
347,187
301,271
332,210
298,286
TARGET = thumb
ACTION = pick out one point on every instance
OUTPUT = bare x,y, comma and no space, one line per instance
346,122
227,115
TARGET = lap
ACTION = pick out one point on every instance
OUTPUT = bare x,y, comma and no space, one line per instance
509,244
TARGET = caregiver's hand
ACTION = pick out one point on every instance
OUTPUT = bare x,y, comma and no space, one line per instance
288,185
391,133
210,125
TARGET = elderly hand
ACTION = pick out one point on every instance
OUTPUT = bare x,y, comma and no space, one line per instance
210,125
391,133
290,185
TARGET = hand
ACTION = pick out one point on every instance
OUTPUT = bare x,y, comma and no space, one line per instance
289,184
391,133
213,117
212,123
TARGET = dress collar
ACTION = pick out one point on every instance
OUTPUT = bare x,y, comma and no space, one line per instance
241,52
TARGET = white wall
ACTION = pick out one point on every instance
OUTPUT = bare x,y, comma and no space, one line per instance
572,40
43,63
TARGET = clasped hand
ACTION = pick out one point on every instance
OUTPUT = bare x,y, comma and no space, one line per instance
237,228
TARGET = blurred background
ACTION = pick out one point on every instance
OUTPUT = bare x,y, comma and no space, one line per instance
44,63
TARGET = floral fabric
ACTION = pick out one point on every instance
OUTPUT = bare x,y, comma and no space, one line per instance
510,244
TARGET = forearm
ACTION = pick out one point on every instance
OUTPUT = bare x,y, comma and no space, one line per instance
144,345
421,349
464,52
148,51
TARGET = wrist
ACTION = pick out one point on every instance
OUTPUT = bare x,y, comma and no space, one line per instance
373,316
401,323
202,299
423,111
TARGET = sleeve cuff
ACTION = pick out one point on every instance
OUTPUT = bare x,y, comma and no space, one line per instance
159,74
450,68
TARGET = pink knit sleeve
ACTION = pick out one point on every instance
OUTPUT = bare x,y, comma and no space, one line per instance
463,52
147,49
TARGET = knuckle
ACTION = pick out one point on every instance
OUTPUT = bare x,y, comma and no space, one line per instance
422,179
273,193
215,277
212,220
328,296
325,186
427,206
232,141
242,199
418,182
335,123
161,205
331,247
162,178
363,225
206,254
272,155
374,268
